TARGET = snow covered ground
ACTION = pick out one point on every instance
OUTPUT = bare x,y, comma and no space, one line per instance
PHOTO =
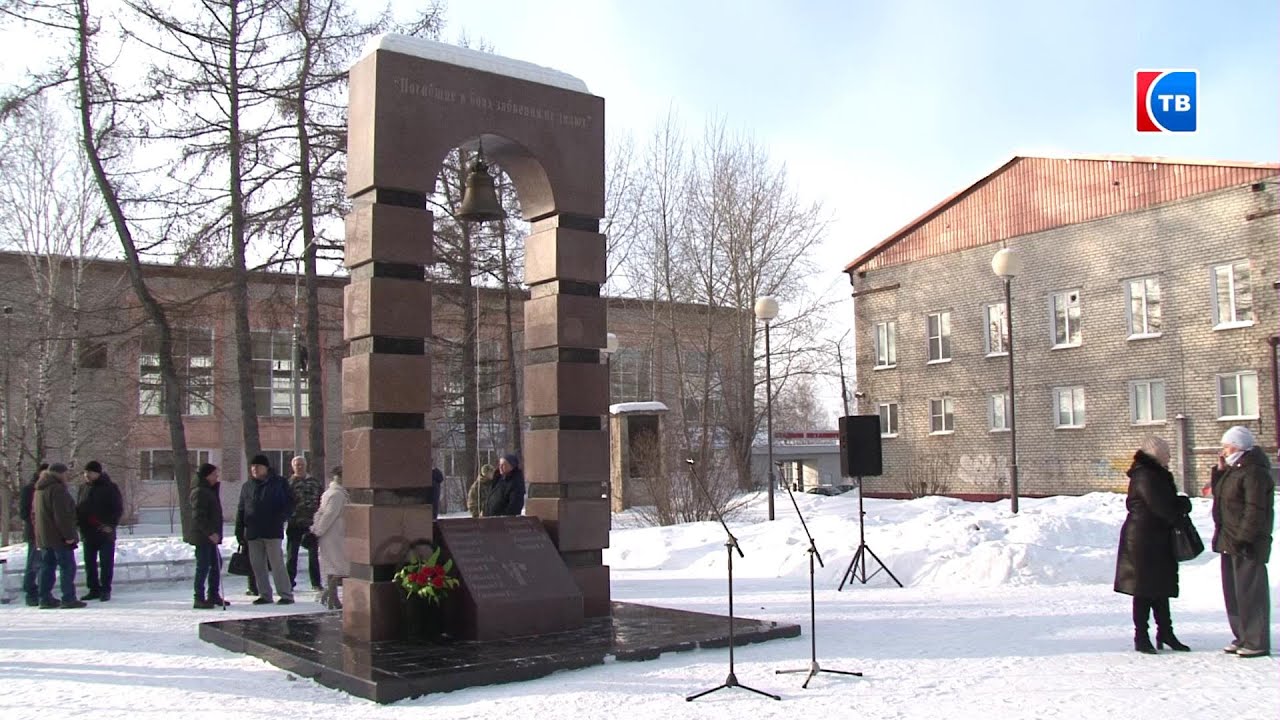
1002,616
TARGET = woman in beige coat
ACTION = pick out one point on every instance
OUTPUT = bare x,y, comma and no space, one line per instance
329,527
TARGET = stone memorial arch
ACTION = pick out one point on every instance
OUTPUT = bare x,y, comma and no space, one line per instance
412,101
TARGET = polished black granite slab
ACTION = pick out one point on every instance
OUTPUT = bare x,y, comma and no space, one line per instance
312,646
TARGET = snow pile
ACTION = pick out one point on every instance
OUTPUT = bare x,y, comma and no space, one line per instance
928,542
1002,616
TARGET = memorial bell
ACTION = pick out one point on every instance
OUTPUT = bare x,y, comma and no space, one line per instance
479,199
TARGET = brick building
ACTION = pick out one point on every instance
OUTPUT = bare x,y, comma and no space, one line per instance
1146,303
118,397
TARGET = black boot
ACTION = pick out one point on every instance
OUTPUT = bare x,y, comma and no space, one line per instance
201,604
1164,626
1142,642
1141,612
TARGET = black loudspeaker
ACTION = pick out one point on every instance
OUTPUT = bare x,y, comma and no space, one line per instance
860,446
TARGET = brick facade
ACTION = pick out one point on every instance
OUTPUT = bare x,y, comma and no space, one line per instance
115,433
1177,242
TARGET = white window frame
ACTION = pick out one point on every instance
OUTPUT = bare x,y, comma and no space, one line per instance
889,428
1141,328
1243,400
946,408
195,374
1002,348
275,385
1002,398
1136,405
886,345
198,456
1238,318
943,338
1078,416
1065,296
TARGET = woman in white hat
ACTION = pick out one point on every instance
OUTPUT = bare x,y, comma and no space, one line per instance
1243,515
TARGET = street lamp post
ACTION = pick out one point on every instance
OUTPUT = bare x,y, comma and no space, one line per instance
8,354
1006,264
610,347
766,310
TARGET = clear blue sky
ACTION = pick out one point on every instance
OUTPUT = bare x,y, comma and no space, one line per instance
880,109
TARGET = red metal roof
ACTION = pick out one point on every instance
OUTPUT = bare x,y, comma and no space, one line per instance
1032,194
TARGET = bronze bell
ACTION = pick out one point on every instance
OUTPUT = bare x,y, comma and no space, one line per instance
480,200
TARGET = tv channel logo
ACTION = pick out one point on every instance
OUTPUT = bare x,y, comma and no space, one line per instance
1167,100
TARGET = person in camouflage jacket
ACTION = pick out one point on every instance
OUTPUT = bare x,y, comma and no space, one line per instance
305,491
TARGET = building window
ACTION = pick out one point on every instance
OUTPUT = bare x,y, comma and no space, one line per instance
939,329
1066,319
273,359
193,360
942,419
1069,404
995,329
1146,402
631,375
281,461
998,412
1232,296
886,344
156,466
704,400
1238,396
1144,307
888,419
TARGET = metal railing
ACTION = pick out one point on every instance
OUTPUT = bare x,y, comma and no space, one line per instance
126,573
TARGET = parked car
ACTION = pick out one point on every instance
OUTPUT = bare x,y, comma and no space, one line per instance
831,490
823,490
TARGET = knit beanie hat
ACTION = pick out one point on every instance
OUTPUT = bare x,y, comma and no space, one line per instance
512,459
58,468
1239,436
205,471
260,459
93,466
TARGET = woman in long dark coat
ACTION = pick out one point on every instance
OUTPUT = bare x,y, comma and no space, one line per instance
1145,565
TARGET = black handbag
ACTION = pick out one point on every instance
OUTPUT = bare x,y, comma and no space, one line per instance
239,563
1187,544
309,541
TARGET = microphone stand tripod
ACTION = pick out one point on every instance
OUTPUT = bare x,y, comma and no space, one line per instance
814,668
730,544
863,550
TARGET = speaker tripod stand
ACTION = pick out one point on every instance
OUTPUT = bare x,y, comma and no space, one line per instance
858,565
814,668
730,545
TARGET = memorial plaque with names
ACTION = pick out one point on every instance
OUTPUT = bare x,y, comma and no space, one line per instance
514,582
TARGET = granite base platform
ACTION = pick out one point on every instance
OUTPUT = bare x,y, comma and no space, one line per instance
312,646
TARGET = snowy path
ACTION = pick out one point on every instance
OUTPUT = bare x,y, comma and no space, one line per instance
1002,617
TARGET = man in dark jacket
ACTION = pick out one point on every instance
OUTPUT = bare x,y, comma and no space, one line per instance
437,492
98,512
304,491
206,535
1243,515
55,517
264,508
506,492
27,507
